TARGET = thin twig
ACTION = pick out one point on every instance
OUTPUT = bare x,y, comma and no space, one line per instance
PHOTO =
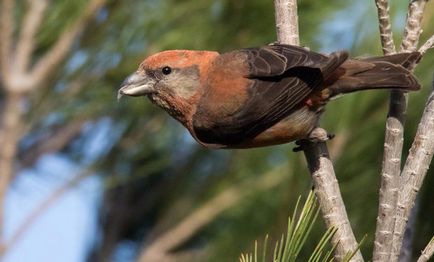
428,44
413,28
428,252
60,49
26,41
385,27
159,249
49,201
414,172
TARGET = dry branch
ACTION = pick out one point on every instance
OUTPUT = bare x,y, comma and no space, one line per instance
385,28
428,44
159,249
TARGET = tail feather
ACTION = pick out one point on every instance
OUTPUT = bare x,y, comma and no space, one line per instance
387,72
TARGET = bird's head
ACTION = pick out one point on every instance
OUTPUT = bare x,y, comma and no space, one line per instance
175,74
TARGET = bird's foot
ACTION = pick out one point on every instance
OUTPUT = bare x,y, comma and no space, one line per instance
317,135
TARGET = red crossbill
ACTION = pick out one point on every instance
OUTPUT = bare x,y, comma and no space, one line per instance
259,96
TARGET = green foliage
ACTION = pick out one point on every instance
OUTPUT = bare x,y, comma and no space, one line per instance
299,228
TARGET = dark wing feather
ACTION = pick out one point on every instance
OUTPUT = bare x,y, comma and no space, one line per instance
283,76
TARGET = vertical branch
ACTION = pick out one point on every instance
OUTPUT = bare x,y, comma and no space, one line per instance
413,28
409,43
6,32
385,28
413,173
286,22
320,165
393,141
29,28
9,136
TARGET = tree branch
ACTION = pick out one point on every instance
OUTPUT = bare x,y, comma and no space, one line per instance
414,172
390,180
330,200
394,138
428,44
388,194
427,252
413,28
60,49
286,22
26,41
159,249
385,27
10,133
6,31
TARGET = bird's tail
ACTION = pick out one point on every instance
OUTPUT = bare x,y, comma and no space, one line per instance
384,72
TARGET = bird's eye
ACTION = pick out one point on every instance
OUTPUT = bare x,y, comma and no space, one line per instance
166,70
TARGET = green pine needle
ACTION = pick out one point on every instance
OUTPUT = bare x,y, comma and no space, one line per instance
300,225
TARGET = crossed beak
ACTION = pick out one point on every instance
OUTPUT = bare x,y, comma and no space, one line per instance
137,85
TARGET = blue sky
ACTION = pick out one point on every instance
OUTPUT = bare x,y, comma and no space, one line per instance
66,229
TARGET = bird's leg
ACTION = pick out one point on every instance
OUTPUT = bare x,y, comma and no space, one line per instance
317,135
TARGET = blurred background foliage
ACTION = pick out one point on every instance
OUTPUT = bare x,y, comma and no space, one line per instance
154,174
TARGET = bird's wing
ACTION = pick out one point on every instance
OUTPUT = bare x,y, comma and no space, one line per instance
281,77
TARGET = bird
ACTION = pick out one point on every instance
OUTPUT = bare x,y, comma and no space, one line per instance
263,96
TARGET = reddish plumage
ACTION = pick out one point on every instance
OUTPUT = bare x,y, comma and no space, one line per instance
259,96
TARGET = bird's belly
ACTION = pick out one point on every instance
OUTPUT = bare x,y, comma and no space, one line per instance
296,126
